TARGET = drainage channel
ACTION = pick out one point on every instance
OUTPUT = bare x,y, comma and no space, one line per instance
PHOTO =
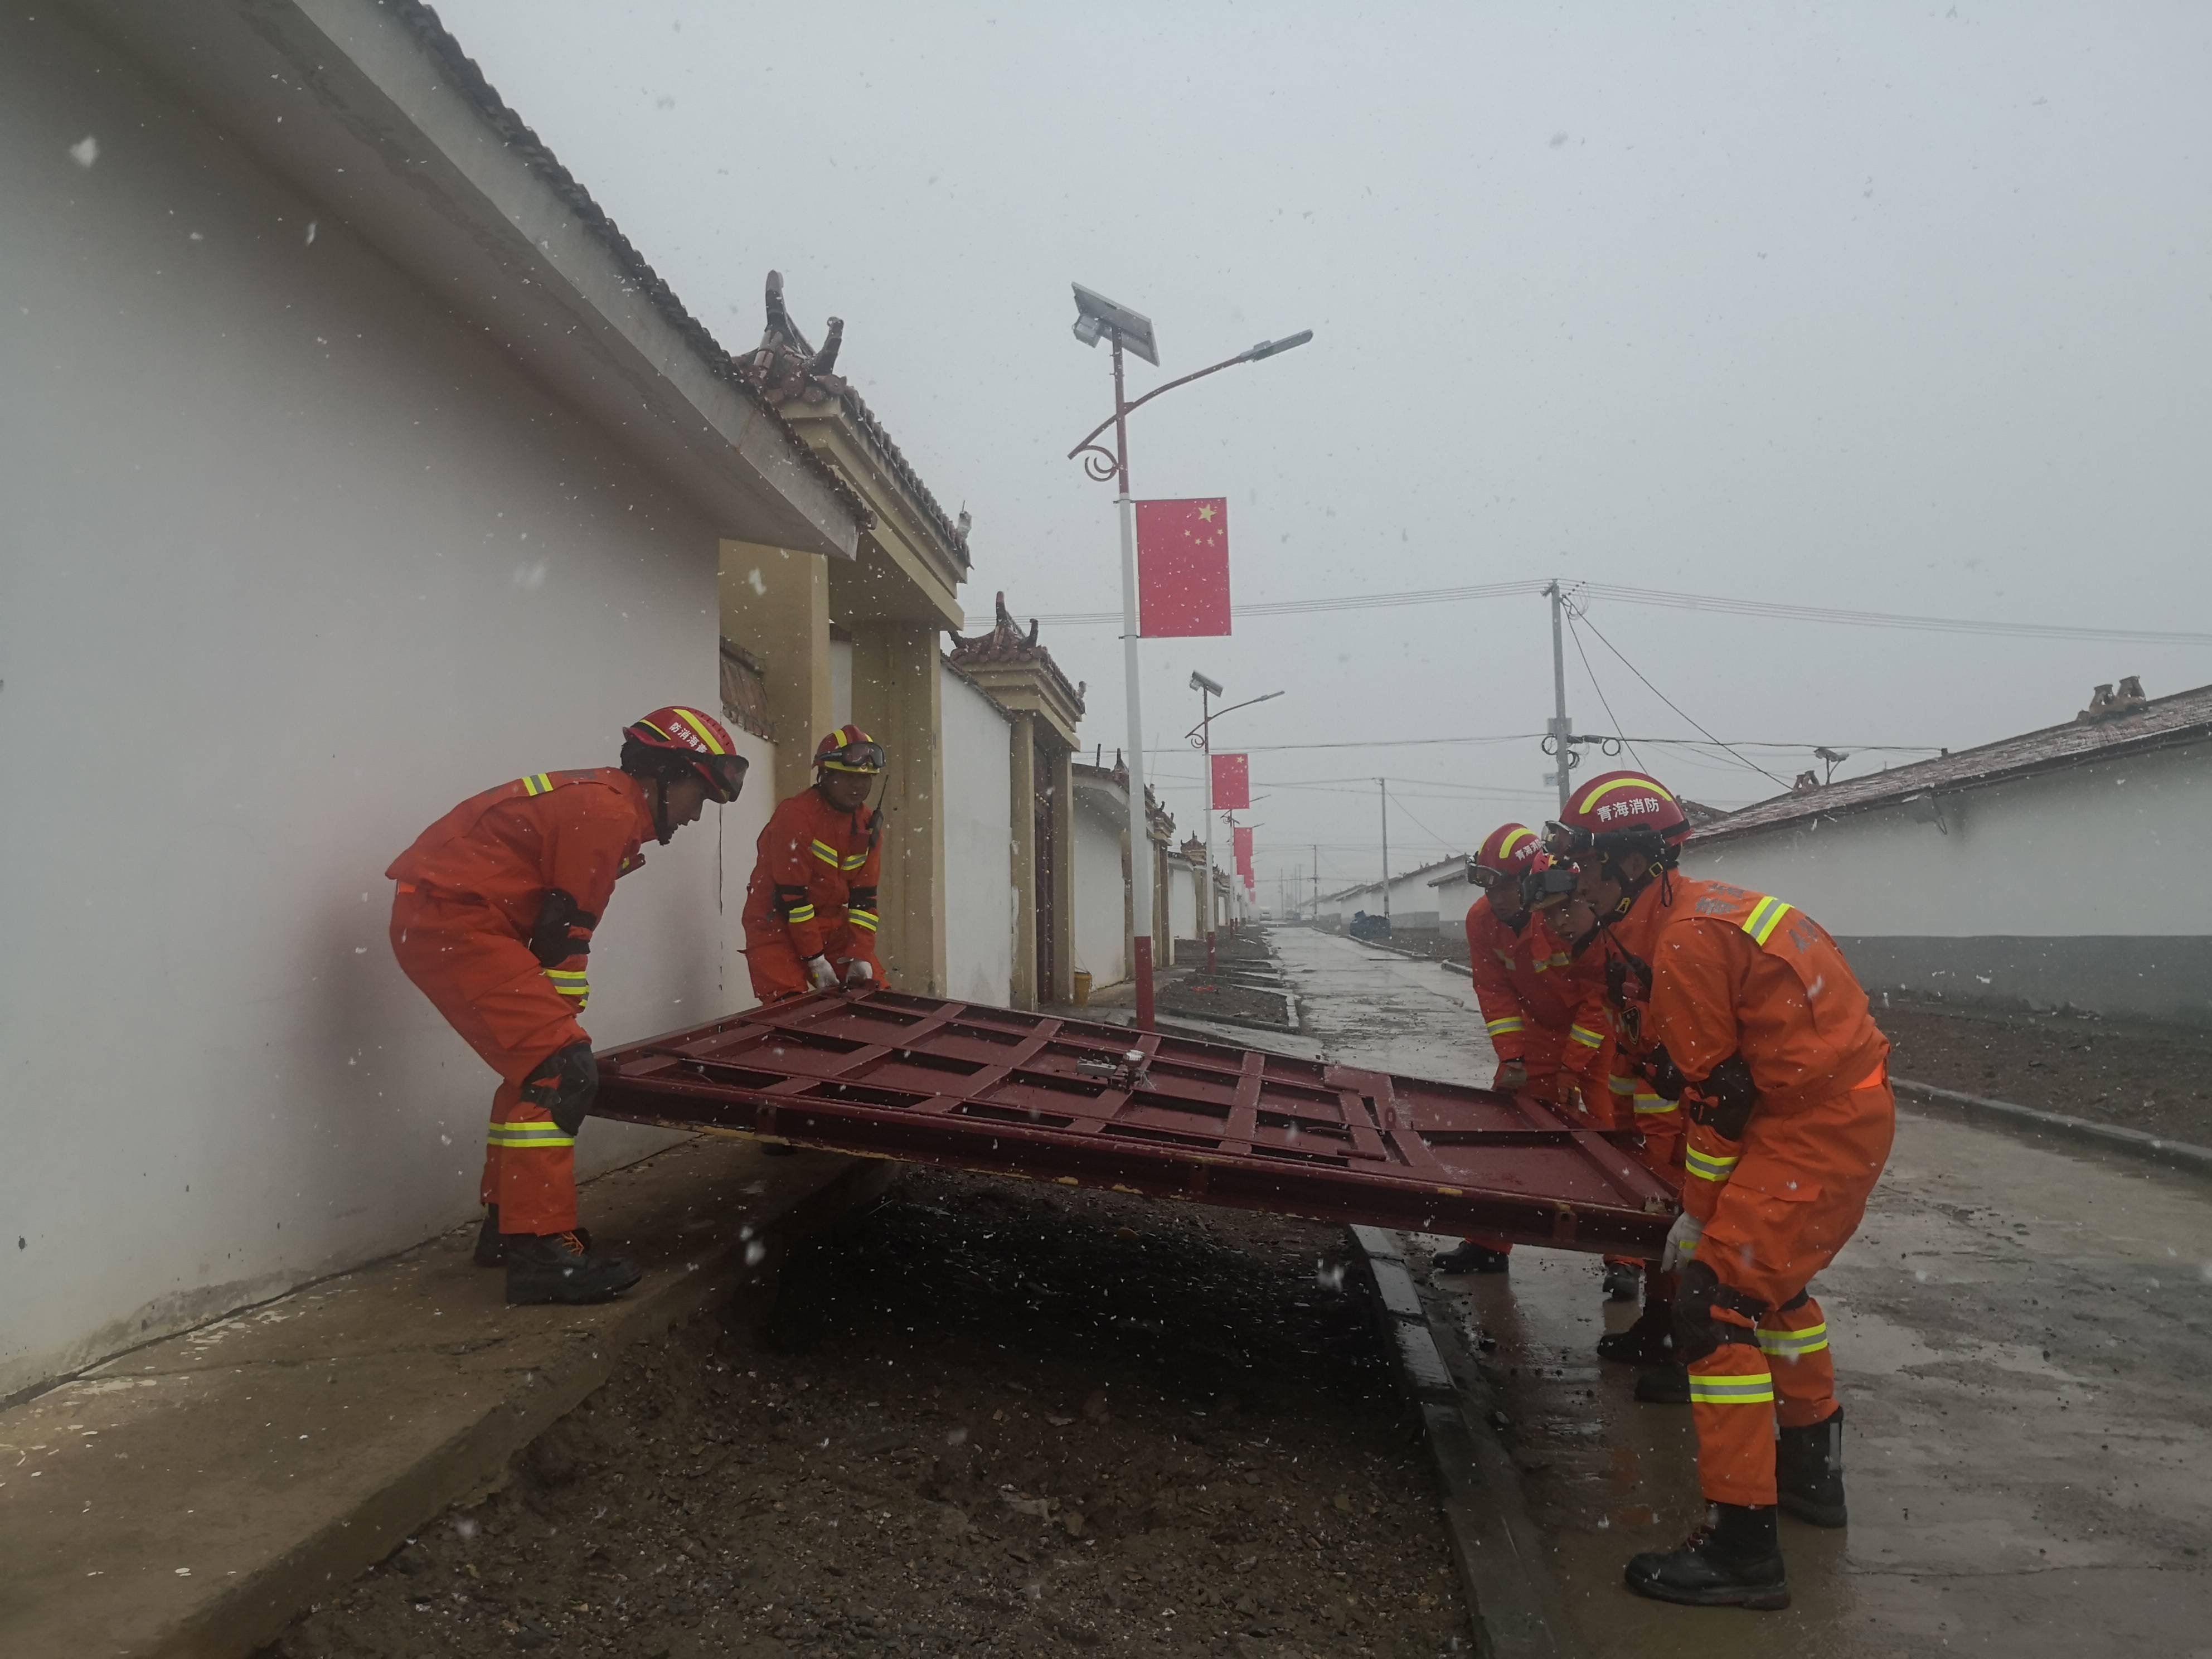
988,1417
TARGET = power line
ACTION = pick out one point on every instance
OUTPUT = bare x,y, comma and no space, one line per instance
1531,736
1670,702
1663,598
1572,619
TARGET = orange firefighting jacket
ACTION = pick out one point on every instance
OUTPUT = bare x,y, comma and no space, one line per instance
506,848
814,882
1536,1008
1735,972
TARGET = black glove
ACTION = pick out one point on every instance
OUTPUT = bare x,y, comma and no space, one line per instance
565,1084
1665,1076
1726,1097
563,929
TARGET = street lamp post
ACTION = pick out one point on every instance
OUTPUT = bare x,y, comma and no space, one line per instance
1098,318
1202,735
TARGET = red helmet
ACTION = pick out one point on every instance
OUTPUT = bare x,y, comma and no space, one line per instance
1621,804
685,739
1508,853
848,749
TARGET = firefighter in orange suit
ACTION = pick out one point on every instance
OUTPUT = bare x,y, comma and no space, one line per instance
1754,1021
1547,1026
810,906
493,921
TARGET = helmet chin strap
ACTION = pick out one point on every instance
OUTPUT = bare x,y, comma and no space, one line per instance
661,827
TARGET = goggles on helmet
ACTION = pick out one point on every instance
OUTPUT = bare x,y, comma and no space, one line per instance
863,757
725,774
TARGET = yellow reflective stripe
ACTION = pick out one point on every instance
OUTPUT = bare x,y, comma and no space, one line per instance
1732,1390
804,913
1506,846
565,977
1504,957
1649,1103
1707,1167
1585,1036
529,1135
1622,1085
1603,790
854,860
537,783
1500,1027
1792,1344
703,731
827,854
863,918
1765,916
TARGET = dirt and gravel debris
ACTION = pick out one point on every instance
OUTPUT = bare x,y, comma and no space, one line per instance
988,1419
2138,1075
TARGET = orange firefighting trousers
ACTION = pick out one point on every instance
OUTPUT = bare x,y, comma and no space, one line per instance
1795,1193
462,955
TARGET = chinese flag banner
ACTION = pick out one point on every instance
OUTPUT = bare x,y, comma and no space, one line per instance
1183,569
1243,839
1233,783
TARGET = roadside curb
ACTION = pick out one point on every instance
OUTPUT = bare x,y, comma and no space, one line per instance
2036,1124
1511,1599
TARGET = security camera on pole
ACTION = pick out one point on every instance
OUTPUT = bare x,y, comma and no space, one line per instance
1184,606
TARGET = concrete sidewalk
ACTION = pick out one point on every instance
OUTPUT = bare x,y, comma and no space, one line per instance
193,1496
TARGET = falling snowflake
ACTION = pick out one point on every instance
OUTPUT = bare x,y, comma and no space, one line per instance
85,151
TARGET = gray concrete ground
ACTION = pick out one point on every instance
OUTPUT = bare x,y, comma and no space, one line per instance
2021,1337
192,1496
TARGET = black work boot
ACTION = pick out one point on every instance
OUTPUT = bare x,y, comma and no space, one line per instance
1808,1471
1662,1385
1648,1341
1734,1560
557,1267
1624,1282
1472,1258
491,1248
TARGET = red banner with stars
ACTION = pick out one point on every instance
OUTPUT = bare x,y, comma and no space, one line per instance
1243,839
1183,569
1233,783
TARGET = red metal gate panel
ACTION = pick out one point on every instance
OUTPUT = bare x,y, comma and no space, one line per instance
891,1075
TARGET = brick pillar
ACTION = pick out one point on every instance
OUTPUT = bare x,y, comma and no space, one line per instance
1022,808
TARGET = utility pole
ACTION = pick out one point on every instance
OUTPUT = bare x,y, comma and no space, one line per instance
1383,785
1561,728
1316,879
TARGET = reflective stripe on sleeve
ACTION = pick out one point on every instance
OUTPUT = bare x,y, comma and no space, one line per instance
1648,1102
1510,1023
1622,1085
529,1136
1794,1345
1588,1038
862,919
1765,916
574,983
825,852
537,783
1709,1166
854,860
799,913
1732,1390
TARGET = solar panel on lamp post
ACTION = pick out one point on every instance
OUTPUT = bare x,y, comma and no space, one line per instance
1098,318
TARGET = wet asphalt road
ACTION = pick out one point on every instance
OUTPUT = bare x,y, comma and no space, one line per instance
2023,1340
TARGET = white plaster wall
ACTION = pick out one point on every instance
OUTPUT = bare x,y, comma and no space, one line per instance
1183,899
979,883
290,564
2117,847
841,682
1101,942
1453,899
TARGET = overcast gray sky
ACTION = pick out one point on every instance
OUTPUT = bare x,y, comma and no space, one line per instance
1888,307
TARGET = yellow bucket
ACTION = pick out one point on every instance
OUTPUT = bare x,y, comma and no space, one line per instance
1082,988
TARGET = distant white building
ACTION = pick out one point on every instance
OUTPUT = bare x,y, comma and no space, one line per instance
2066,867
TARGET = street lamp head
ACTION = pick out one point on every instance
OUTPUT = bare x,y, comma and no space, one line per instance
1098,317
1200,682
1269,347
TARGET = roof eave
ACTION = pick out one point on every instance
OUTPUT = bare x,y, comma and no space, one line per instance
404,143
